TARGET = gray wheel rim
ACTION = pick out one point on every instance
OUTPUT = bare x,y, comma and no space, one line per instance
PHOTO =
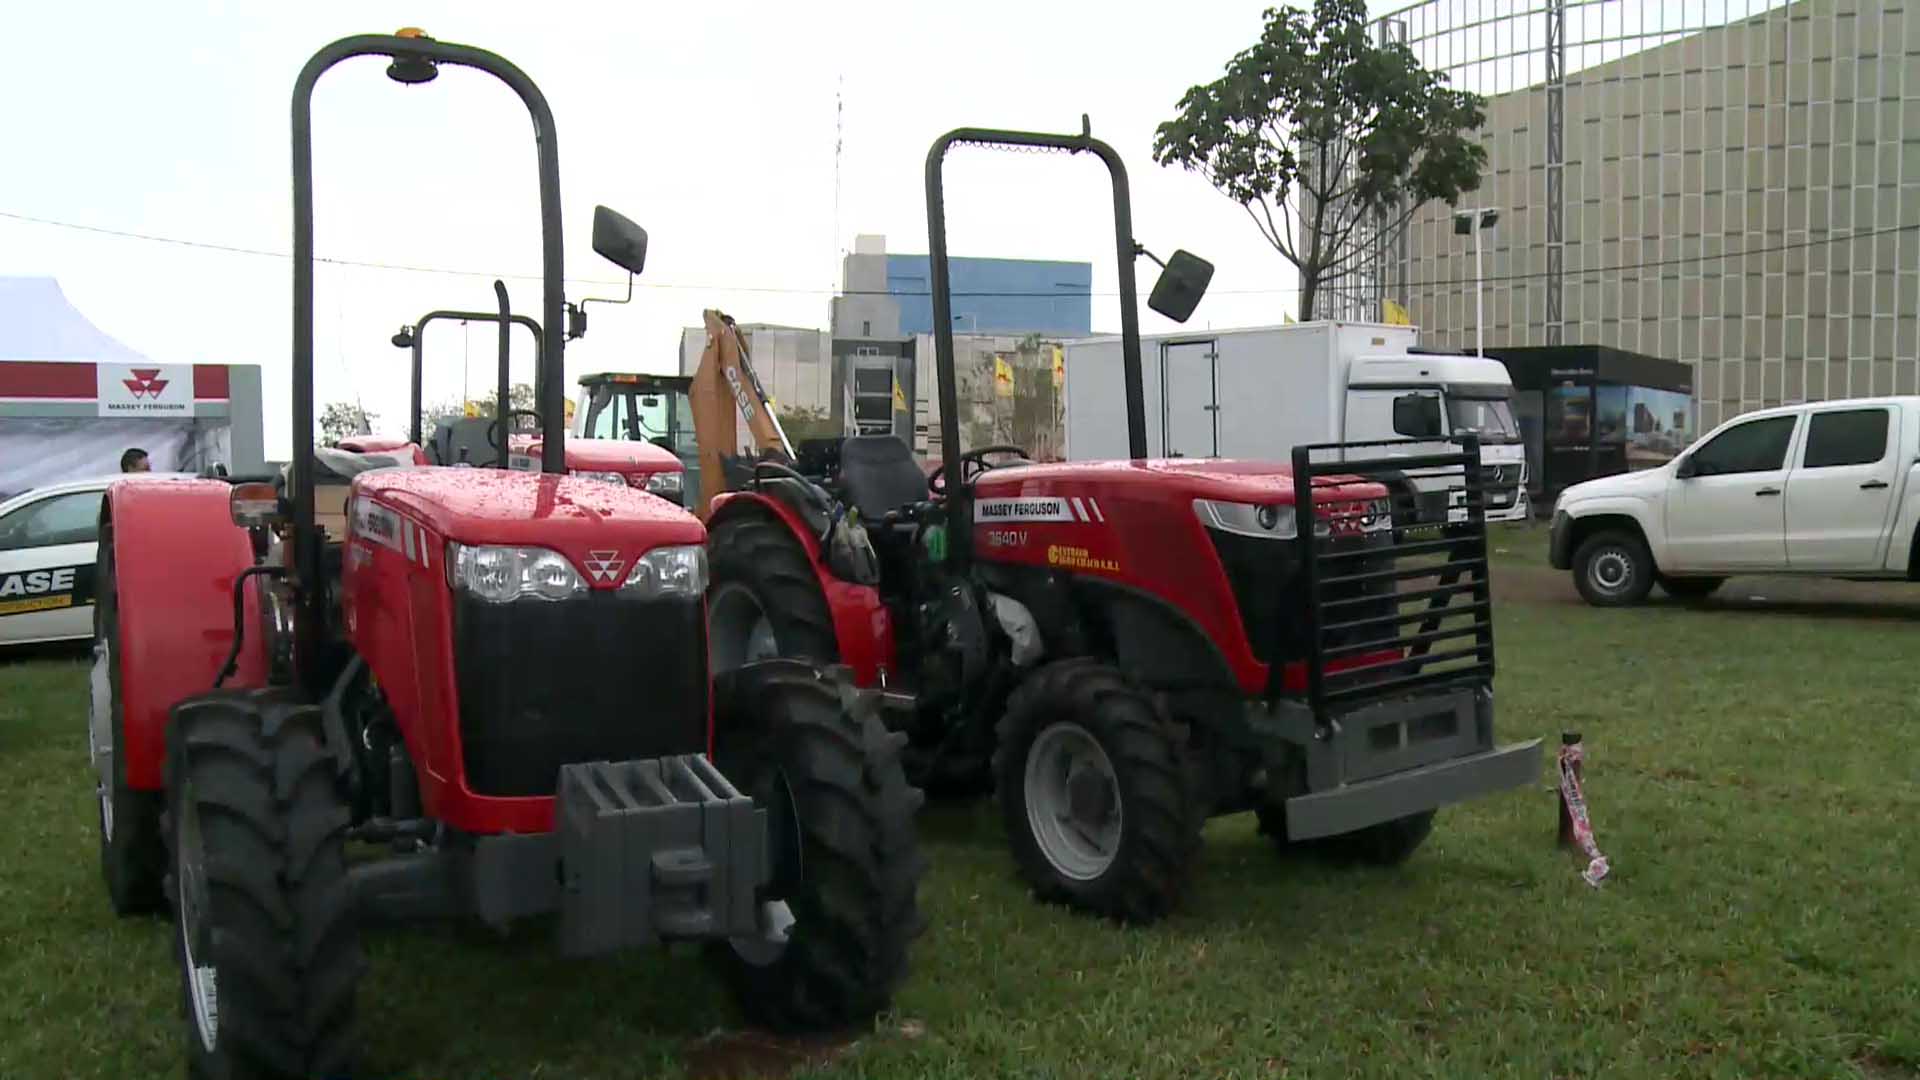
1080,843
100,732
1610,571
741,632
190,877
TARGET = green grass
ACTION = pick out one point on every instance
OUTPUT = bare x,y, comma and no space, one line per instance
1751,774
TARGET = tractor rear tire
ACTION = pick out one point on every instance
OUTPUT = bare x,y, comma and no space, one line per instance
811,751
1097,793
266,937
765,599
133,854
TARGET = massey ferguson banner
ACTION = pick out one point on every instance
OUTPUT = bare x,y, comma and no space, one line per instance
151,390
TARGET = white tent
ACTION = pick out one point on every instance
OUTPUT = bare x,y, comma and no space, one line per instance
72,399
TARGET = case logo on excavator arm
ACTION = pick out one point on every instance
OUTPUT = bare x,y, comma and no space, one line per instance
740,395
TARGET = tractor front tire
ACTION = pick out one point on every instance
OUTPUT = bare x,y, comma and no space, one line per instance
1097,794
765,600
811,751
133,855
1389,843
266,938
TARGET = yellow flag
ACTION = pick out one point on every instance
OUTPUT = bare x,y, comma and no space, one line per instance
1285,318
899,399
568,402
472,409
1059,367
1002,377
1395,314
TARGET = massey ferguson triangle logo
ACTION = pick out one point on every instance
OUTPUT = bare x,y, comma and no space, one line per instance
146,383
604,565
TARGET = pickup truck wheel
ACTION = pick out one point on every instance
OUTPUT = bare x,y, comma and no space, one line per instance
1691,588
1613,569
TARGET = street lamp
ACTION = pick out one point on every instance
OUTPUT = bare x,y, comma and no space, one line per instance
1476,221
968,315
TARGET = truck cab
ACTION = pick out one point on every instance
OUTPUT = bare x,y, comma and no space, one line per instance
1420,395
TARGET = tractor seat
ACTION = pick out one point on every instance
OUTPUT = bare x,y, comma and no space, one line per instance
333,470
879,474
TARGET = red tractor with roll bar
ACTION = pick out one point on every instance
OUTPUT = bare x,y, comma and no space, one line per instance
1126,648
501,676
514,441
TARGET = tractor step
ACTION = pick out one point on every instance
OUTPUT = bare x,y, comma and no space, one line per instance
655,849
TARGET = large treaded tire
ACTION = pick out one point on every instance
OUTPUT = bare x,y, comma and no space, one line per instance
761,556
251,787
1160,811
811,750
133,855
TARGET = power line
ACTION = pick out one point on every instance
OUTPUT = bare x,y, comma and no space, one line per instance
1832,238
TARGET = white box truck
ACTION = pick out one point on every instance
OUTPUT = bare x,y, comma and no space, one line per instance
1259,392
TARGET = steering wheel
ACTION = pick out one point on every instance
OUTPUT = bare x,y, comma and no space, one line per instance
972,464
494,429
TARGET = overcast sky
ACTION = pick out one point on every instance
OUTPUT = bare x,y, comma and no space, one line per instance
711,124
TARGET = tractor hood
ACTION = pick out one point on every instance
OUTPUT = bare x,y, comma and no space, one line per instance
574,516
1225,479
606,455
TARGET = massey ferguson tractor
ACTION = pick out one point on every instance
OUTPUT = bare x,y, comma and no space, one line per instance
1125,648
513,441
369,688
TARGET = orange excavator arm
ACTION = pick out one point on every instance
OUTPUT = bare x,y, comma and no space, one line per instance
724,391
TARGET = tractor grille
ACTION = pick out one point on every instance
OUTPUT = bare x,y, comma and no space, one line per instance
1411,608
597,678
1271,593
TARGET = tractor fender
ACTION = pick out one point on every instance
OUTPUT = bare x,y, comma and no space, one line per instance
176,555
862,625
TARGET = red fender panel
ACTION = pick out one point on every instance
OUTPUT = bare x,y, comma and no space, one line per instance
176,553
379,444
861,623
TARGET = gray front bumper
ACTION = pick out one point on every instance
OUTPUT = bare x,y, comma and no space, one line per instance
1370,802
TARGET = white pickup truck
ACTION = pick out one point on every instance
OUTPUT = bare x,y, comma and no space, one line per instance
1825,489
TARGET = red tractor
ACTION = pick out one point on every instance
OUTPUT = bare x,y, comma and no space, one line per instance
493,685
1126,648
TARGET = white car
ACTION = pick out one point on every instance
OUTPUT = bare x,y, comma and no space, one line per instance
48,540
1826,489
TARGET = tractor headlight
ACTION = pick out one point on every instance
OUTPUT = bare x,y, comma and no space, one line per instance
500,575
607,477
664,483
1264,522
668,571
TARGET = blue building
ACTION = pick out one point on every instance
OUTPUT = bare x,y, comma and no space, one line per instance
997,296
888,297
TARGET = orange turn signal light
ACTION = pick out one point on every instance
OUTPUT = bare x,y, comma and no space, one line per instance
255,505
410,32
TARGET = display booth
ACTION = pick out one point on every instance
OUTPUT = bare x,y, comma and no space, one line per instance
1590,410
72,399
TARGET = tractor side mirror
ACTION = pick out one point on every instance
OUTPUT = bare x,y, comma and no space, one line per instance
1181,285
619,240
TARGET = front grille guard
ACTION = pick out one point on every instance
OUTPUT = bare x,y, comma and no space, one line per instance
1411,608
